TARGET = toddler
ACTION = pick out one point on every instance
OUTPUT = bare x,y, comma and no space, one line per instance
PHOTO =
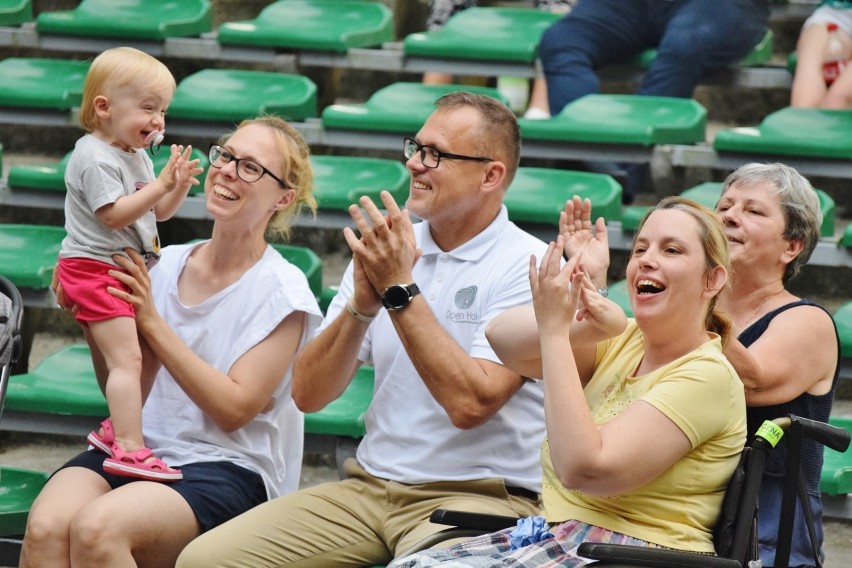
113,202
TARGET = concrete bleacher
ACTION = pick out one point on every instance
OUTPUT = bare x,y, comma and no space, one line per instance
221,47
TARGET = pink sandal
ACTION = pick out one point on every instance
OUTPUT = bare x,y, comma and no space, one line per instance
103,443
134,464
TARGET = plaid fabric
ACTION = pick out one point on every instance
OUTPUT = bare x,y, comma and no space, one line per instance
494,550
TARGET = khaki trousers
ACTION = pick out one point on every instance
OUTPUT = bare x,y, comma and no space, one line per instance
360,521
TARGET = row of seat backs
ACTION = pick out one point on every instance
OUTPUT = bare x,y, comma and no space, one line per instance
491,33
56,84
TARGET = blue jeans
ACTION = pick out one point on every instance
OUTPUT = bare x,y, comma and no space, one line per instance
692,38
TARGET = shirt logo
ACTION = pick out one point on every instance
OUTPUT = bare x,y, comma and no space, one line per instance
464,298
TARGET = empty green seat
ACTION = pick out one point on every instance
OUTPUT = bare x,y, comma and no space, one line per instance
18,490
55,84
800,132
537,195
760,55
707,194
345,415
623,119
305,260
152,20
14,12
843,321
51,177
326,296
486,34
320,25
846,240
28,253
632,215
400,107
340,180
233,95
63,383
836,478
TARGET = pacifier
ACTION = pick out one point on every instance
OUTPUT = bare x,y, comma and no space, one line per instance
154,139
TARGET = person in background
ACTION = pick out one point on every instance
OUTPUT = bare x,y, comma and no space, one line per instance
224,318
442,10
449,425
692,38
823,78
645,419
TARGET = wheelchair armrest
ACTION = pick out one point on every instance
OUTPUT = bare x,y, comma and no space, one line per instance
467,520
626,555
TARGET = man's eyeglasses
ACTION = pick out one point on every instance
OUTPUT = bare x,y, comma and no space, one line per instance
431,157
247,170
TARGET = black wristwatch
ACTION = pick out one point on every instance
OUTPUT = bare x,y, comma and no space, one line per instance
399,295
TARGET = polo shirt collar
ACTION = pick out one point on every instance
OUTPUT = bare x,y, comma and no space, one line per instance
473,249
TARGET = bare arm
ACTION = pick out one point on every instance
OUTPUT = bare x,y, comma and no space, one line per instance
627,452
164,195
514,334
796,354
230,399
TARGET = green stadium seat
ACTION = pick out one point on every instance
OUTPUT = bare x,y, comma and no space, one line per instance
28,253
38,83
151,20
836,478
484,34
345,416
843,321
846,239
318,25
398,108
800,132
707,194
760,55
233,95
538,195
618,294
18,490
340,180
63,384
339,427
305,260
51,177
15,12
622,119
326,296
632,215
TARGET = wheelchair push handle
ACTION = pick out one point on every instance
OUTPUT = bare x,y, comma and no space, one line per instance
830,436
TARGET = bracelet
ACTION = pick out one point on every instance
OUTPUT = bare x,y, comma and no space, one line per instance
356,314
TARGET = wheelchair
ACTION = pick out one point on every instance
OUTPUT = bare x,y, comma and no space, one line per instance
735,534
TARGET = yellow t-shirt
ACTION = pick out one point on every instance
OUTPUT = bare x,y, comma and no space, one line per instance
702,394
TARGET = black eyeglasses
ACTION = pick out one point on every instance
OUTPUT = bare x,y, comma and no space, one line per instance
431,157
247,170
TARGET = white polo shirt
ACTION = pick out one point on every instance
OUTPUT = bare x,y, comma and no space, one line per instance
409,437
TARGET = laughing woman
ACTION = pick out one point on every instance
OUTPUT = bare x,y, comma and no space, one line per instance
635,409
224,317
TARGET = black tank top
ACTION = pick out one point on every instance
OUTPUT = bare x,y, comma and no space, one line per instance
805,405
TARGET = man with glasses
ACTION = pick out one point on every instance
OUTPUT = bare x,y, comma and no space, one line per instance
449,426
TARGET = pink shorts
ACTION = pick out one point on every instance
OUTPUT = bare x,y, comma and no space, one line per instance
84,282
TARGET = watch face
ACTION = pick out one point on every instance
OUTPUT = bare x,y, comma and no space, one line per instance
396,297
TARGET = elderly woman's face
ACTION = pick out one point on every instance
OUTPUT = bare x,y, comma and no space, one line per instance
754,224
